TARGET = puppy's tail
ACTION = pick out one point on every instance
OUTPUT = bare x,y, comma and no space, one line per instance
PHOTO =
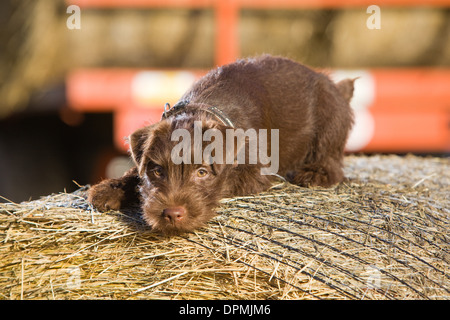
346,88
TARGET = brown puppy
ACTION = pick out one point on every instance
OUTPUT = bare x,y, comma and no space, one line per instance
216,142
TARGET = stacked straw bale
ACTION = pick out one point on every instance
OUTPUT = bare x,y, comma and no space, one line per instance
383,234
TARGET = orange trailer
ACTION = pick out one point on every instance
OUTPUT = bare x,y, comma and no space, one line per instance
397,110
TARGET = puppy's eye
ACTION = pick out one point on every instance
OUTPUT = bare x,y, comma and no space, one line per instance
157,171
201,173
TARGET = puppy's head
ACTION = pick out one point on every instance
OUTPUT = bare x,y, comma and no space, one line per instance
179,190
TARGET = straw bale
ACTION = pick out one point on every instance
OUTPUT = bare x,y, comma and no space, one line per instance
383,234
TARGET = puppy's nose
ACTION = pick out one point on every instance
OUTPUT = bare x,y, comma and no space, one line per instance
175,214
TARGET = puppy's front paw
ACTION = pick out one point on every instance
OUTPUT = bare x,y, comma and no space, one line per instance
106,195
312,175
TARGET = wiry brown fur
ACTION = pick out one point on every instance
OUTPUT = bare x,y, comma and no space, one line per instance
311,112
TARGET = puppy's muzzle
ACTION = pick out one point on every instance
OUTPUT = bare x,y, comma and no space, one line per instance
174,215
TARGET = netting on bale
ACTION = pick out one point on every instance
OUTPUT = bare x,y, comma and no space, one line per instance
383,234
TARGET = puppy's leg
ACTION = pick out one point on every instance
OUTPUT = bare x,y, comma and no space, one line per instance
319,174
333,119
113,194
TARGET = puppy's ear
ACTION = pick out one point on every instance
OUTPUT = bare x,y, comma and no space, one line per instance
138,141
346,88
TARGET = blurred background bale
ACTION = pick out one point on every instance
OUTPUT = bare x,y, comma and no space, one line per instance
41,138
143,38
32,55
408,37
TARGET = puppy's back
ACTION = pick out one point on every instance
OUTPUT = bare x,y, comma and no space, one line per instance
311,112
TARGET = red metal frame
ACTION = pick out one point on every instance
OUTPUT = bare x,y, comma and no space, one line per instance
410,110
